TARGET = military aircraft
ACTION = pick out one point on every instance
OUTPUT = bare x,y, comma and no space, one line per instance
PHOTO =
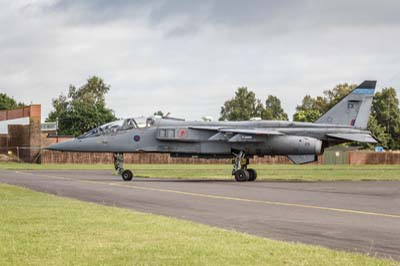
301,142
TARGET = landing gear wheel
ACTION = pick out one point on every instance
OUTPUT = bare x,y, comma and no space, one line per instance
252,174
241,175
127,175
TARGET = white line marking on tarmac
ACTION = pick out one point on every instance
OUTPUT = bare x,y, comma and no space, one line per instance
193,194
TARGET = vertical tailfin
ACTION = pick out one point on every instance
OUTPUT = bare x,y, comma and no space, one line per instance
354,109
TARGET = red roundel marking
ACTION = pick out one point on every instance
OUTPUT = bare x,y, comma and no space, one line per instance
182,133
136,138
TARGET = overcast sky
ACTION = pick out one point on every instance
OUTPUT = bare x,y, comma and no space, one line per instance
188,57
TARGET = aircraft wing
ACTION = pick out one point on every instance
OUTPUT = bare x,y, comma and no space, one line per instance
250,131
209,128
237,134
354,137
255,131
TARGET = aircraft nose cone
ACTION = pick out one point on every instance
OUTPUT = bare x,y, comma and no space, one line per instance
54,147
62,146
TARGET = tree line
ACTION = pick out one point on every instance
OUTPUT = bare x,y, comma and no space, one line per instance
384,121
84,108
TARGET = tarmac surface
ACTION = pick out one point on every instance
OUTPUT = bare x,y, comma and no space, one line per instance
353,216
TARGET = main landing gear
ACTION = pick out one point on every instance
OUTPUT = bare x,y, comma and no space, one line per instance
240,171
127,175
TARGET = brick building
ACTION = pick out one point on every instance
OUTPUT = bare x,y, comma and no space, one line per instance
21,133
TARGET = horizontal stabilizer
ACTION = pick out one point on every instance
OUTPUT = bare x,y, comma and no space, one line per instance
353,137
301,159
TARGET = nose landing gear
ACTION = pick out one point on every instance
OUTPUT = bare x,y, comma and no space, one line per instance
240,170
126,175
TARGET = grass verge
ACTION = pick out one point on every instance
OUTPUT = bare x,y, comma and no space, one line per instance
42,229
219,171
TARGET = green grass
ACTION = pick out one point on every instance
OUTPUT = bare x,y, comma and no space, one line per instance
42,229
265,172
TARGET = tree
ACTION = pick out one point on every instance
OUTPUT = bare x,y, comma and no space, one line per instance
312,108
306,115
7,102
308,103
378,132
243,106
159,113
273,109
83,109
333,96
385,109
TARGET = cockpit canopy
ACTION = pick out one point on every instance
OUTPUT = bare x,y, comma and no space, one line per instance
119,125
137,122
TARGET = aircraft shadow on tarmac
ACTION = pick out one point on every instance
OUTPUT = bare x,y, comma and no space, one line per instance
171,180
165,180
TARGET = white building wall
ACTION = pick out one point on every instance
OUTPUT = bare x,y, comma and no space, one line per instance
19,121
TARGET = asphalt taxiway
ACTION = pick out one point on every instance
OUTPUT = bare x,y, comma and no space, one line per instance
354,216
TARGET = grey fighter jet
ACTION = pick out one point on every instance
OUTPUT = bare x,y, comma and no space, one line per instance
300,142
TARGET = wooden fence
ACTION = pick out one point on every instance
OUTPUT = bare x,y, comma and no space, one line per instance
352,157
143,158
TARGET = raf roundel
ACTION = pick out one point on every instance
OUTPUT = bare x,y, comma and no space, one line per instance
182,133
136,138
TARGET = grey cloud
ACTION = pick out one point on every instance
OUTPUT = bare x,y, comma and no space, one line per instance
271,16
189,56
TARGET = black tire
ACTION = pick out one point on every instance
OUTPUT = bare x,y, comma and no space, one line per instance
252,174
127,175
241,175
